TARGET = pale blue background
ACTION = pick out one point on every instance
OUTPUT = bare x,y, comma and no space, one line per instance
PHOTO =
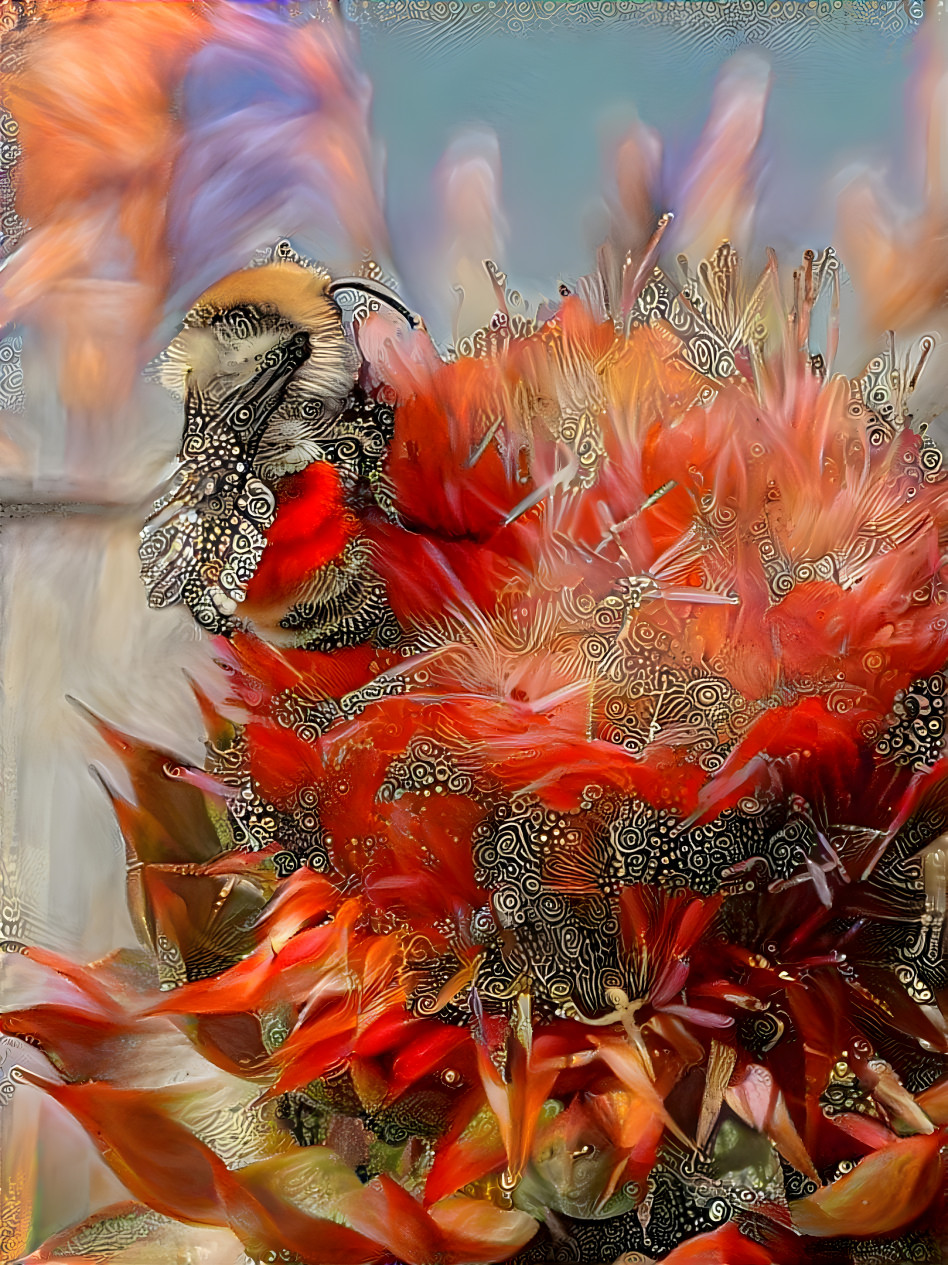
555,93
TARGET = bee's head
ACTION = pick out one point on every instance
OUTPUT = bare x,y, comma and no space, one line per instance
236,322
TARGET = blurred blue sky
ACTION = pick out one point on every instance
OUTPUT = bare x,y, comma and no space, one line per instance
556,93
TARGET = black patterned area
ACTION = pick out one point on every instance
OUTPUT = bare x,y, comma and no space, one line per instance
671,1209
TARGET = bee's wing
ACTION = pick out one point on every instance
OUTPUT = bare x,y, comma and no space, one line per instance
203,543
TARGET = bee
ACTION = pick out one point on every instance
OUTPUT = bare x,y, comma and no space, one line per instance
282,449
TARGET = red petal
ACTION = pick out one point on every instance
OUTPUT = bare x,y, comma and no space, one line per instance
161,1162
884,1192
387,1213
427,1051
474,1231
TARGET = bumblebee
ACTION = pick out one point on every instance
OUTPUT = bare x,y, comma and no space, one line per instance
281,456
